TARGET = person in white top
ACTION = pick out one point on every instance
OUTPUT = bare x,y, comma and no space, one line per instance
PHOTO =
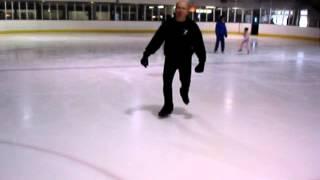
245,41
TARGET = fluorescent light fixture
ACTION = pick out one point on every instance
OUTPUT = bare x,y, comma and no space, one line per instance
203,11
151,7
210,7
160,7
304,12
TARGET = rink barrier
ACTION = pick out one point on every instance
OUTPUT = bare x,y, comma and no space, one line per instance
289,37
77,31
266,30
144,32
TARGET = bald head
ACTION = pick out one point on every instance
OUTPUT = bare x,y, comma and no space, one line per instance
182,10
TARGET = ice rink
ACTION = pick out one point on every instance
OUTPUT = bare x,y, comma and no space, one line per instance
80,107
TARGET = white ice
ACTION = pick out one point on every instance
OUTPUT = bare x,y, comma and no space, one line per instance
80,107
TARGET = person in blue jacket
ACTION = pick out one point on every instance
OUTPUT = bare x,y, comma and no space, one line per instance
221,33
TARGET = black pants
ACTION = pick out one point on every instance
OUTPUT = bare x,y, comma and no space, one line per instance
220,39
183,64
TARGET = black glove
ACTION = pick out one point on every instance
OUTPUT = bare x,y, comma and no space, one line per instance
144,61
199,68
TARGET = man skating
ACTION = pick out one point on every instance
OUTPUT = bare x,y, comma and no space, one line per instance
182,37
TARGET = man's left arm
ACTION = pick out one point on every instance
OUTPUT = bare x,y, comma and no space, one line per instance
200,49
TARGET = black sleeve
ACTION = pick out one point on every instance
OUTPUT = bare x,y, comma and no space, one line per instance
199,47
156,41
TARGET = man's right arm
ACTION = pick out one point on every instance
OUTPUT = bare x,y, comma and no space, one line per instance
156,41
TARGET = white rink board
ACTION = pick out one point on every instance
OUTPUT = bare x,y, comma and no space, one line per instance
265,29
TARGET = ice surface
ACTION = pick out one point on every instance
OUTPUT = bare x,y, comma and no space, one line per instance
80,107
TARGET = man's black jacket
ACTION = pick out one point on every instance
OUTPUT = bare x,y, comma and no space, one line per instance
181,40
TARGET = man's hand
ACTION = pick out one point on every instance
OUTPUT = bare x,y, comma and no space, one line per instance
144,61
199,68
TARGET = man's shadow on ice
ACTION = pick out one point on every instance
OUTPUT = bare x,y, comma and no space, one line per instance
154,110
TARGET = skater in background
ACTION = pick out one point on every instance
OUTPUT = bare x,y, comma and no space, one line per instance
245,41
181,37
221,33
